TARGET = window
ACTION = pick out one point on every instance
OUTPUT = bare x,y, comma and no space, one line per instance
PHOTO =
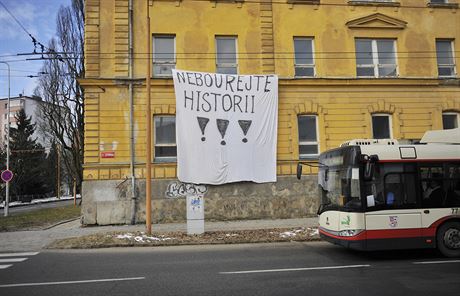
453,185
399,183
433,191
164,57
226,62
165,138
6,105
304,61
450,120
375,58
438,1
440,185
308,136
381,126
446,61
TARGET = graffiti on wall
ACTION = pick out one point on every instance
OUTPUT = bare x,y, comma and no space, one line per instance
178,189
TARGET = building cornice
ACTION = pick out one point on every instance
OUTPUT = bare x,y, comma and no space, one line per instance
165,82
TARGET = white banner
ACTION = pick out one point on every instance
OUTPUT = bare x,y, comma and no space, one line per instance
226,127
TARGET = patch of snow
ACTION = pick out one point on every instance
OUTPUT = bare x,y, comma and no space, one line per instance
143,238
314,232
287,234
37,201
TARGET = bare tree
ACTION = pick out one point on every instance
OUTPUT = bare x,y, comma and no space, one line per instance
62,113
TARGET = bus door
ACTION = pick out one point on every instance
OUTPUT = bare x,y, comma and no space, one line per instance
394,221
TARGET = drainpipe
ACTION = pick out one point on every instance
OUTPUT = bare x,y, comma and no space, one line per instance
131,112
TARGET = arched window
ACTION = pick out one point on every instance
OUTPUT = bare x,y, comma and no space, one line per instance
381,126
308,136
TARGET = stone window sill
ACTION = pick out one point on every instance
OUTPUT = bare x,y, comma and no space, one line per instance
442,5
227,1
373,3
303,1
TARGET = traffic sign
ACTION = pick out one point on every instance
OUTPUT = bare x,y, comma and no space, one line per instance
7,175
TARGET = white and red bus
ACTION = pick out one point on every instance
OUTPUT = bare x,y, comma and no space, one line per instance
381,194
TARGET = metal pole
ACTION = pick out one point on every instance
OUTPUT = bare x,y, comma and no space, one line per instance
74,192
148,131
132,148
7,187
58,171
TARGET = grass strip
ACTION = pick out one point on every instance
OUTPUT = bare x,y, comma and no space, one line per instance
38,219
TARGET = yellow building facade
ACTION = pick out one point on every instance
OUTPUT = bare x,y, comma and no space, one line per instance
348,69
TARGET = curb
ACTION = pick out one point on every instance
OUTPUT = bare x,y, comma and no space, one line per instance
60,223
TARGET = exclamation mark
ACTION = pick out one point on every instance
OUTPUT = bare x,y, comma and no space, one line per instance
203,121
245,125
222,125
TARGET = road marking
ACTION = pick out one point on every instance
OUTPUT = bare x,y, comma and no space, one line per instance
10,260
294,269
7,258
18,254
437,262
71,282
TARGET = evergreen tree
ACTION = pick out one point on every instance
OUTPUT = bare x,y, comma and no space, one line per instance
27,159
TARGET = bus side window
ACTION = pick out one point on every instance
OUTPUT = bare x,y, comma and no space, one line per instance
399,189
433,186
453,186
392,189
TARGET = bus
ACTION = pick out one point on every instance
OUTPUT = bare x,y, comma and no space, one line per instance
381,194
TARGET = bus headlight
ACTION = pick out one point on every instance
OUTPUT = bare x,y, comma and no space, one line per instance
350,232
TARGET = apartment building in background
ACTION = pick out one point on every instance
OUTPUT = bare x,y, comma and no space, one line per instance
30,104
347,69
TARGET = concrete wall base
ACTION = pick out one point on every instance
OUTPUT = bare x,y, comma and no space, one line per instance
108,201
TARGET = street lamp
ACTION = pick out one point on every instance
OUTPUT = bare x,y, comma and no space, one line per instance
7,187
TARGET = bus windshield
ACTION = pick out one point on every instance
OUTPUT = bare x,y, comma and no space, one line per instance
338,180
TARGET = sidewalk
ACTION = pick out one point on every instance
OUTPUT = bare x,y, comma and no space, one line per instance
38,239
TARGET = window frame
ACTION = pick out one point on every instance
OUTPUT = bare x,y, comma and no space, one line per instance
456,114
452,66
171,63
317,142
226,65
155,144
312,51
390,124
375,59
377,1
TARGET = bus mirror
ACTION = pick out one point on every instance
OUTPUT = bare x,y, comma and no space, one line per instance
368,171
299,171
370,167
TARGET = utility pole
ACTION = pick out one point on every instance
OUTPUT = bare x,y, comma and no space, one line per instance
74,192
7,187
148,131
58,171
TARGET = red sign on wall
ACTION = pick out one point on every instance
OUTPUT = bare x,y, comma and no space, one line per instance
108,154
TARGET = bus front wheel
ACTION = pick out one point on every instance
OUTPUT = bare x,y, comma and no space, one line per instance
448,239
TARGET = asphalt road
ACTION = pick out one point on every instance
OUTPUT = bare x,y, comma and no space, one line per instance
258,269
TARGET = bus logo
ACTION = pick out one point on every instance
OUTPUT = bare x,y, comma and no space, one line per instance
346,221
393,221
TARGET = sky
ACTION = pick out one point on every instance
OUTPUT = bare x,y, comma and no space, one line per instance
38,17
